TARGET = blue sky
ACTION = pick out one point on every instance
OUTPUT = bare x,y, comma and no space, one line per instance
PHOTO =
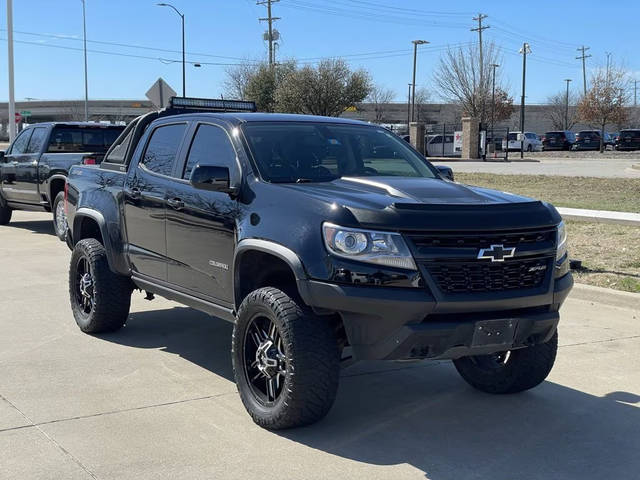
225,31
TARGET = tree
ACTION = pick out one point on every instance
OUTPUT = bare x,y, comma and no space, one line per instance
604,102
327,89
457,79
423,97
263,84
238,76
380,98
556,110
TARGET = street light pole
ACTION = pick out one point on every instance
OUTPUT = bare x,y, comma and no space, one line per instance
184,75
524,51
86,78
493,102
12,100
566,105
408,109
413,94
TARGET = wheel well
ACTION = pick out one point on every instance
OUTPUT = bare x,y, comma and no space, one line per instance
256,269
88,228
57,186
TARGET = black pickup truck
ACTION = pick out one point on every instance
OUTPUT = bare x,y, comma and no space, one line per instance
324,241
34,169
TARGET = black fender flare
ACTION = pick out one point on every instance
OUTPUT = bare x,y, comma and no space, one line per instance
283,253
80,215
57,176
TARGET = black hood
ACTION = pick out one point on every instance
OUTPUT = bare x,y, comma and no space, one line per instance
416,203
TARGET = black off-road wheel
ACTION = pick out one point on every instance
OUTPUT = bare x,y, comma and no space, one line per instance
285,361
100,299
509,372
5,213
59,217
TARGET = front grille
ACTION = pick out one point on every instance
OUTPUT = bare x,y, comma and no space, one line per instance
482,240
482,276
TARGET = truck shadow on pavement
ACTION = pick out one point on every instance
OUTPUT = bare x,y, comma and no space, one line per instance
423,416
34,226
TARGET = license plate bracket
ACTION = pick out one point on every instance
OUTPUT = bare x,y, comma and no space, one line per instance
494,332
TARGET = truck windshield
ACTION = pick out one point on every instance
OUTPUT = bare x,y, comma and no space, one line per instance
83,139
319,152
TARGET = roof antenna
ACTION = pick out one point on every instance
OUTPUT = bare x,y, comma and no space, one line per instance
224,108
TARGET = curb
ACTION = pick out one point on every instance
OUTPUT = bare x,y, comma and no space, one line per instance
600,216
608,296
479,160
635,166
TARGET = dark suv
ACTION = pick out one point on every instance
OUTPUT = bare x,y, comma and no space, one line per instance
587,140
558,140
324,241
628,140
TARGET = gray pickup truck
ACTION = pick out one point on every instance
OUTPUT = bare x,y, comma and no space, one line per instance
34,169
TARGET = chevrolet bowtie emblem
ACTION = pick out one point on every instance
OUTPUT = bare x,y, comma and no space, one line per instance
497,253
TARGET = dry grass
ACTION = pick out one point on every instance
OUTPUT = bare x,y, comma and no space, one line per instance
618,194
610,254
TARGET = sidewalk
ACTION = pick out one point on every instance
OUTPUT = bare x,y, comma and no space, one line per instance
600,216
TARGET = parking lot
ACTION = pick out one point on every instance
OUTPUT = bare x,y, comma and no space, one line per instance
156,399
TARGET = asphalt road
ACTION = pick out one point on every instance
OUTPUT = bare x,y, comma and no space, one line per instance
569,167
156,399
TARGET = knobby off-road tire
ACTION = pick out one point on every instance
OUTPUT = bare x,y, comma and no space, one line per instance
59,217
100,299
304,357
518,371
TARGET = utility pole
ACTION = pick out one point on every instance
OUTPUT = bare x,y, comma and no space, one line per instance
493,101
12,100
524,51
480,28
635,93
583,57
269,19
184,74
413,94
86,78
566,106
409,109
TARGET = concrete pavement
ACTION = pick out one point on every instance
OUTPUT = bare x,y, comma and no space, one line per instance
569,167
156,399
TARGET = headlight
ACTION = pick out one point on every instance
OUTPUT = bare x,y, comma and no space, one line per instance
561,241
382,248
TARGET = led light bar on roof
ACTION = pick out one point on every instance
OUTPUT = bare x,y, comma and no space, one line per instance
214,105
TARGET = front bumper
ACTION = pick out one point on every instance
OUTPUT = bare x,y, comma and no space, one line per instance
399,323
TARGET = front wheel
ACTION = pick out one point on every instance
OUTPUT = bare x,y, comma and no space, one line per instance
59,217
512,371
285,361
100,299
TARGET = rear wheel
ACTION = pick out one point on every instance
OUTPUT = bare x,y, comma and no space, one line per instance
285,361
512,371
100,299
5,214
59,217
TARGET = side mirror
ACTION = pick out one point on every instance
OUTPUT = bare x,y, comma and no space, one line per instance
212,178
445,171
2,158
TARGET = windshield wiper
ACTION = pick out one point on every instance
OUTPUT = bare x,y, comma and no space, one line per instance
313,180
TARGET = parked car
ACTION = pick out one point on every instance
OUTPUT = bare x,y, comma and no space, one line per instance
558,140
434,146
320,252
628,139
34,169
531,142
588,140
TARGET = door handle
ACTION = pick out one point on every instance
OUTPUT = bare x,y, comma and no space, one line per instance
175,203
135,192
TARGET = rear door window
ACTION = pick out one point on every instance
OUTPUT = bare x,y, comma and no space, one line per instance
37,140
162,149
